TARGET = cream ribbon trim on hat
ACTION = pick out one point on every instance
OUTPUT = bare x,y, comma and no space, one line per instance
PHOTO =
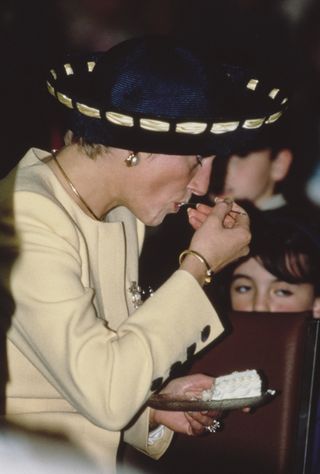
191,128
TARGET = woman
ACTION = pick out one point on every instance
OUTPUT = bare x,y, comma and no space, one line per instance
145,121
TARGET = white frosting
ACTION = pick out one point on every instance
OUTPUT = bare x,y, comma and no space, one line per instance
235,385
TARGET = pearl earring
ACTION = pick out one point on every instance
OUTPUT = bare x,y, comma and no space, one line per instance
132,160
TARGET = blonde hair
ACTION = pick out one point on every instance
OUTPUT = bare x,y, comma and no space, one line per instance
92,150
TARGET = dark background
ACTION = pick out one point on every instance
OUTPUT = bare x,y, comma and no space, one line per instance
281,36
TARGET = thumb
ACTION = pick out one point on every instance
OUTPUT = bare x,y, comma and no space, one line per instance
222,208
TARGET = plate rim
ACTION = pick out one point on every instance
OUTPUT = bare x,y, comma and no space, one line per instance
166,402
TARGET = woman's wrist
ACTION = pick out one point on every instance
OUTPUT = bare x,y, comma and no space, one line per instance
193,262
153,424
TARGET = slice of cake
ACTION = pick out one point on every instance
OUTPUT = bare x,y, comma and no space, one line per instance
243,384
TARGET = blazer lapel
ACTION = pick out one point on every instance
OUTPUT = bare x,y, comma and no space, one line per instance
118,263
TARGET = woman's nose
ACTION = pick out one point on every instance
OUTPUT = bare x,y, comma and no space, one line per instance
199,184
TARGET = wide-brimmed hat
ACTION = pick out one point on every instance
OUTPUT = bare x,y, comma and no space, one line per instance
156,95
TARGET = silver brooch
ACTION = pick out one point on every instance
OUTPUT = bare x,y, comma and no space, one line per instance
138,294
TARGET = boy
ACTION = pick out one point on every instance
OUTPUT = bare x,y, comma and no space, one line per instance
258,174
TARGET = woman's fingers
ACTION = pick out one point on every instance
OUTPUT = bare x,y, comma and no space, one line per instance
227,210
197,216
197,422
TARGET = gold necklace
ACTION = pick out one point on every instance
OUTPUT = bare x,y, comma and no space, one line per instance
72,187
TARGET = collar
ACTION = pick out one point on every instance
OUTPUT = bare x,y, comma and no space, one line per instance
274,202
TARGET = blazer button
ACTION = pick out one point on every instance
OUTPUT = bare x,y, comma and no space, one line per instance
175,368
156,384
205,333
191,350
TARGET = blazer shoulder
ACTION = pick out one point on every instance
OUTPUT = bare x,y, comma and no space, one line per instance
42,211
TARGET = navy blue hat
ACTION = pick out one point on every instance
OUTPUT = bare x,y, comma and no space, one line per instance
156,95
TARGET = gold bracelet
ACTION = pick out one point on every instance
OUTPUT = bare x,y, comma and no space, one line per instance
209,271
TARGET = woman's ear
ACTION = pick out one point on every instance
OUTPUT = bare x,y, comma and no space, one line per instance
316,308
281,165
68,137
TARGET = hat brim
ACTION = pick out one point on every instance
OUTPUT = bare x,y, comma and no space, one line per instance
232,111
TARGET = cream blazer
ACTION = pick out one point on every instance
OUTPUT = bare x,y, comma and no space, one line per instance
82,360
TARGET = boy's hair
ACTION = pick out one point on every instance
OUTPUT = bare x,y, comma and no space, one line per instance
274,140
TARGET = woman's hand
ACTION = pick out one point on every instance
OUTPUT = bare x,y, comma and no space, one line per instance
221,235
198,215
190,423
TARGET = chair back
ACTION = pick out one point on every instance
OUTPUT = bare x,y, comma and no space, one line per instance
274,438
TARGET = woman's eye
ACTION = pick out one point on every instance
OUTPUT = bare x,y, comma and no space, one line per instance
199,160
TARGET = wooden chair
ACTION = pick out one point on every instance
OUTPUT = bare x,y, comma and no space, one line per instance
275,438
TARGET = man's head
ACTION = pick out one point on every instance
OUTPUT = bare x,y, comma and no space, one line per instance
257,175
256,172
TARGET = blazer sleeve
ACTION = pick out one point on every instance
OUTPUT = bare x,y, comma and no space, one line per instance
105,375
138,433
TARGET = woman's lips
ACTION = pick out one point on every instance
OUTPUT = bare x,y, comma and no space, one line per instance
179,205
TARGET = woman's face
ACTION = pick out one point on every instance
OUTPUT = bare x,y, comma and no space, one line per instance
159,183
253,288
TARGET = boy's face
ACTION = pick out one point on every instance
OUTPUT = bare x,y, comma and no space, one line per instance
250,177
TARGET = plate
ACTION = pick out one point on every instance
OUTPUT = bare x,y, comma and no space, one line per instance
167,402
